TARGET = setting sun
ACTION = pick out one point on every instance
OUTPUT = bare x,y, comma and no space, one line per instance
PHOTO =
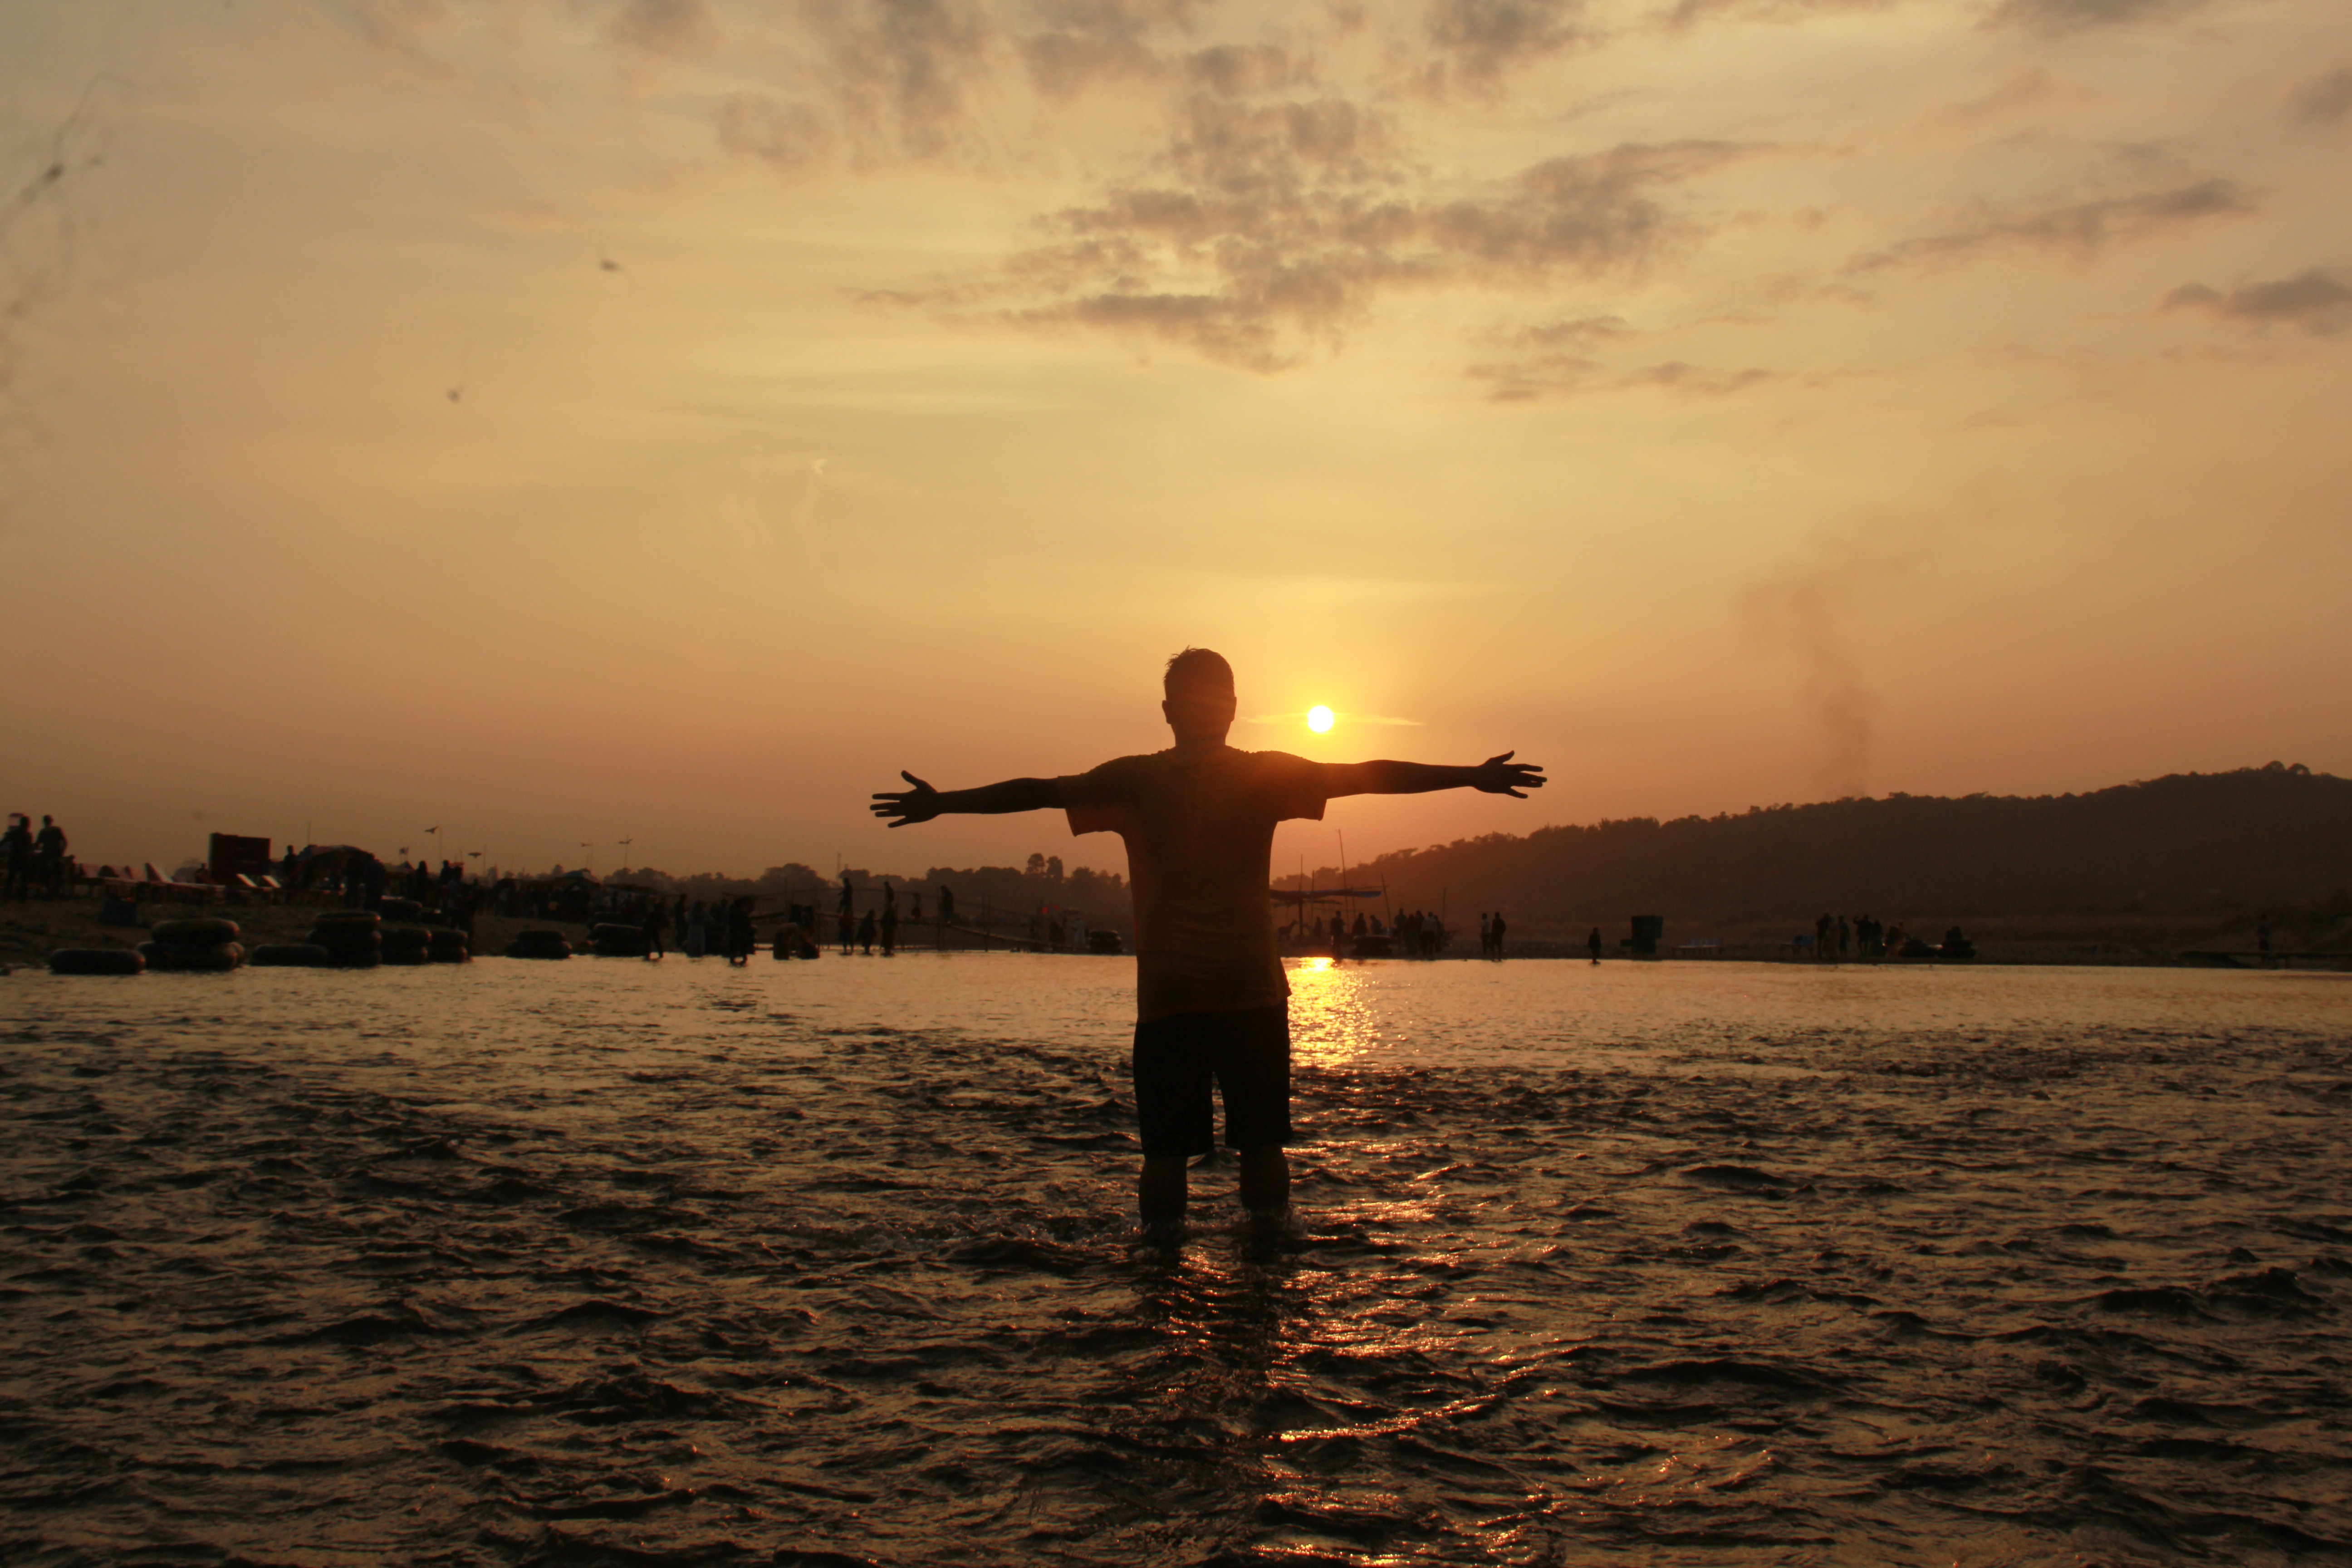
1318,718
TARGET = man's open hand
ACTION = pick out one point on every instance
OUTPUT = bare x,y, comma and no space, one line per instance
920,804
1499,775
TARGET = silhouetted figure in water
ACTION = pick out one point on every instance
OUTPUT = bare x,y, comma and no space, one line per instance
738,932
845,925
1592,945
889,928
656,919
866,932
698,931
1495,937
1198,820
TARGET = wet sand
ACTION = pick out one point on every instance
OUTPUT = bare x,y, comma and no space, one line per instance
612,1262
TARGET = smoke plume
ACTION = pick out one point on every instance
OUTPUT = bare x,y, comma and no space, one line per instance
1805,610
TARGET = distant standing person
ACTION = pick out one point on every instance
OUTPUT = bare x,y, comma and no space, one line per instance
656,919
1592,945
1494,936
49,857
19,842
1198,820
738,932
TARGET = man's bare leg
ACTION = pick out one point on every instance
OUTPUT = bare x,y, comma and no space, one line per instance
1265,1181
1160,1191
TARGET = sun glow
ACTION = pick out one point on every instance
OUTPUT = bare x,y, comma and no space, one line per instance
1318,718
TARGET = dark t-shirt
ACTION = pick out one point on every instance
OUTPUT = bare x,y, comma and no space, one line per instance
1199,830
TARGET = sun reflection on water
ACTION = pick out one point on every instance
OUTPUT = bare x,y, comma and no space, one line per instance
1332,1019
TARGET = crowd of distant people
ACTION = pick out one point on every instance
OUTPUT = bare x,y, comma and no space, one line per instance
1837,938
1416,933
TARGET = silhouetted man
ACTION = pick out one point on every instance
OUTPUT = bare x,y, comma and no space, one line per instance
49,857
1212,1014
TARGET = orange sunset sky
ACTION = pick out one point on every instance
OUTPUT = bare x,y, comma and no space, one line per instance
572,420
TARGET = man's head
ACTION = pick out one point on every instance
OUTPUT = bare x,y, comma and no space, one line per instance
1198,704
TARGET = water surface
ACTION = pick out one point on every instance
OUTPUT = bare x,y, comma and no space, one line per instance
606,1261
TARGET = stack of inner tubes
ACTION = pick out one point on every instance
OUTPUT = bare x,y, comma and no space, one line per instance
449,946
95,960
350,937
539,944
205,943
406,944
614,939
407,911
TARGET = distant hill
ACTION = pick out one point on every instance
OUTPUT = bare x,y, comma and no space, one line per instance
2215,845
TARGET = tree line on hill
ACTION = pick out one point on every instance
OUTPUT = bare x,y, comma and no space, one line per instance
2218,846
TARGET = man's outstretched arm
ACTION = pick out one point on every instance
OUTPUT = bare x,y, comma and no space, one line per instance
922,802
1496,775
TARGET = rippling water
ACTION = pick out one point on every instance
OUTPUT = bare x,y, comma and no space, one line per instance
608,1261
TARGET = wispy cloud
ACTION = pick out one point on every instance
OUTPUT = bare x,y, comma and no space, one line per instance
2323,100
1474,43
2078,16
2318,302
2075,228
1691,13
1272,229
673,28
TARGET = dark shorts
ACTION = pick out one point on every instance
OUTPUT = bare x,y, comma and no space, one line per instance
1245,1055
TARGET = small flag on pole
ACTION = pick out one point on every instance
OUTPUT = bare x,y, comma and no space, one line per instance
432,830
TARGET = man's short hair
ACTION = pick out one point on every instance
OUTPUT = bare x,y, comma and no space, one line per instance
1198,666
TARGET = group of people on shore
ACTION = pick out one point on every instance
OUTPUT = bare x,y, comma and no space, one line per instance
1837,938
1416,933
34,860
